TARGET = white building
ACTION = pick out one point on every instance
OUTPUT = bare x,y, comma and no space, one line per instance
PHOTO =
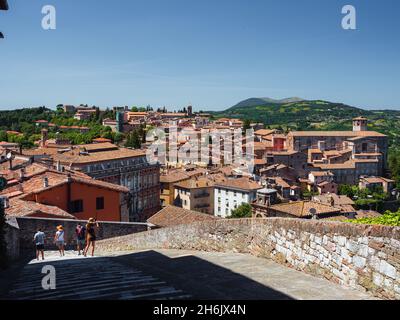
231,193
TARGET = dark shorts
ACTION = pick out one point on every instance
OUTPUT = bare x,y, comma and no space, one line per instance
40,247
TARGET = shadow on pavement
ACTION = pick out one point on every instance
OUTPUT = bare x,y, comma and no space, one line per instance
144,275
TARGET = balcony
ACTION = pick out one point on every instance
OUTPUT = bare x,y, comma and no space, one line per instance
202,195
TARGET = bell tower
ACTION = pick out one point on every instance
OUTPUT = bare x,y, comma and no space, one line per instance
360,124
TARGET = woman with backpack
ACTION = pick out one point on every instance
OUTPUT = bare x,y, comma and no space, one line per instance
91,235
80,232
59,240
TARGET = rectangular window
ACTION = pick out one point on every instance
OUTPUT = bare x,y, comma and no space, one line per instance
100,203
77,206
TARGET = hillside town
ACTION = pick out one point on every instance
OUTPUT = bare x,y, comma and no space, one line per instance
295,174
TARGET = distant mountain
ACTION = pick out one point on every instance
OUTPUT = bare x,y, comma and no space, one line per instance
299,114
261,101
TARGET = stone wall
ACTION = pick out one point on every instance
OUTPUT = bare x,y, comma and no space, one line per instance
12,234
29,226
359,256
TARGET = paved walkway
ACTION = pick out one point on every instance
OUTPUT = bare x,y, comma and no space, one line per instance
174,274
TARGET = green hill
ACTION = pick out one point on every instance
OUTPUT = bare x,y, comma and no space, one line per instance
299,114
293,113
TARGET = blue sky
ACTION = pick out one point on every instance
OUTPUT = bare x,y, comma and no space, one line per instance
209,53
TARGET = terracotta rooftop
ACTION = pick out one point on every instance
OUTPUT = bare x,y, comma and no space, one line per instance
376,180
243,184
75,155
301,209
194,183
264,132
321,173
171,216
35,174
22,208
336,134
180,175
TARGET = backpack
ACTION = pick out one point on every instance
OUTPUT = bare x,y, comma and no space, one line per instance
81,232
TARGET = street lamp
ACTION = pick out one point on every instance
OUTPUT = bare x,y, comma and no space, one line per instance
3,6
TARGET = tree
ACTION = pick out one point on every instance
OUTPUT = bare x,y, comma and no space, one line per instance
133,140
246,125
3,136
243,211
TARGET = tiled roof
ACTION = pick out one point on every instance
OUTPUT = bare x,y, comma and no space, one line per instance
321,173
376,180
264,132
195,183
35,173
239,184
336,134
172,216
301,209
35,185
22,208
75,157
179,175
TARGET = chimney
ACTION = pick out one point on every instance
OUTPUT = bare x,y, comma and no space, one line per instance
44,137
5,202
58,166
45,182
22,174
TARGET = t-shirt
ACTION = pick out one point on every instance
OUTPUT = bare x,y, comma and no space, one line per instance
39,238
60,235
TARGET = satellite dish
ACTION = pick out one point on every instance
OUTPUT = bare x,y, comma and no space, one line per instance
313,213
9,155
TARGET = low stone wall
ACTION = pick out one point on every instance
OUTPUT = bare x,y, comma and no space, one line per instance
12,241
29,226
359,256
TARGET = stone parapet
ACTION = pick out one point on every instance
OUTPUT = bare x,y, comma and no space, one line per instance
358,256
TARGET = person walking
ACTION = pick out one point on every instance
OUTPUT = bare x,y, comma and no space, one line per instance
38,238
80,232
91,235
59,240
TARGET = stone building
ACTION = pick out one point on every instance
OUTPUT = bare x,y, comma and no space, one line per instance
231,193
196,195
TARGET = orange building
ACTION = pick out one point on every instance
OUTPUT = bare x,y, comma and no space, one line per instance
78,195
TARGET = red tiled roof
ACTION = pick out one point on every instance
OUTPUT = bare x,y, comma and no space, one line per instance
22,208
172,216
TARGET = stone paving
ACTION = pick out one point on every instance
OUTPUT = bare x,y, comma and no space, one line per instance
173,274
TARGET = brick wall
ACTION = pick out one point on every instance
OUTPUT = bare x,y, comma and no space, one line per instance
29,226
359,256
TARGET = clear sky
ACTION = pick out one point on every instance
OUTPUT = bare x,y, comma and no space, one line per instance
210,53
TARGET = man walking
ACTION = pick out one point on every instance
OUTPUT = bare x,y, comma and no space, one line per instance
38,238
80,232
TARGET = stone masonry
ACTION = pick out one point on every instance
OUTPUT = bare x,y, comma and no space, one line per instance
29,226
358,256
